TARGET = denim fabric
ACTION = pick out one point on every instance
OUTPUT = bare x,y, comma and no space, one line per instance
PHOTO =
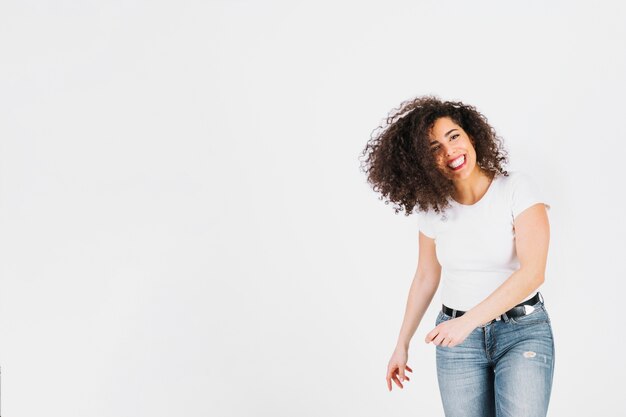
502,369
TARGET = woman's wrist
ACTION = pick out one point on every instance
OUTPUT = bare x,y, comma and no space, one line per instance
402,345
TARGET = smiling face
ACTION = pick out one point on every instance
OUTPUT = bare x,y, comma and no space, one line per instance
452,149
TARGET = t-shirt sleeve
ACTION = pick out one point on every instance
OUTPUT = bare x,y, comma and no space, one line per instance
526,193
424,224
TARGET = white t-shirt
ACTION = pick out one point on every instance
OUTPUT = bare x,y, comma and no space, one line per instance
475,244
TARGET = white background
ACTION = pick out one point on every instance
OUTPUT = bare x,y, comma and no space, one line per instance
185,229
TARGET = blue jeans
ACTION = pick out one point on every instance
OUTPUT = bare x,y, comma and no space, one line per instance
502,369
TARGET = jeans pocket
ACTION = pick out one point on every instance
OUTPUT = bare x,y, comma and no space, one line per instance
537,316
441,317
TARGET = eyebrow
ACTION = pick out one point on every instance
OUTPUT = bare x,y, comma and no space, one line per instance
446,135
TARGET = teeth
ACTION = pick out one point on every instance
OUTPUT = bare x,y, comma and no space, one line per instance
457,162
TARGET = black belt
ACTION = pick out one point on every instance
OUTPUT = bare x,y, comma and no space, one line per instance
516,311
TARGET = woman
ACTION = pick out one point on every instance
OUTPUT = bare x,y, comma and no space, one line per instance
486,232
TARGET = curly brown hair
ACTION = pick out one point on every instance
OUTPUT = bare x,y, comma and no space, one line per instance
400,166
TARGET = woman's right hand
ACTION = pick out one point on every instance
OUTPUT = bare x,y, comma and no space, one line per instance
396,367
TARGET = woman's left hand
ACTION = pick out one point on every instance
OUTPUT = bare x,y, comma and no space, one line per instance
450,332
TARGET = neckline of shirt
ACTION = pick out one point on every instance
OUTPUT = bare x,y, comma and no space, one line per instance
456,203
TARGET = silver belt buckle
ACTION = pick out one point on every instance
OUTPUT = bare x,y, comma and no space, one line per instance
528,309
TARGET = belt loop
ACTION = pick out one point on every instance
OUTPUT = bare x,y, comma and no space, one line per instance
453,313
540,297
507,317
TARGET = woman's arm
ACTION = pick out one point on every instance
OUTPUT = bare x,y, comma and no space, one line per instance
423,288
532,237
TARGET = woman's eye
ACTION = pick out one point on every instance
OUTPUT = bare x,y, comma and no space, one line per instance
455,136
434,148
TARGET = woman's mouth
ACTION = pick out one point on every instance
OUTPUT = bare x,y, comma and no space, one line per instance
458,163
